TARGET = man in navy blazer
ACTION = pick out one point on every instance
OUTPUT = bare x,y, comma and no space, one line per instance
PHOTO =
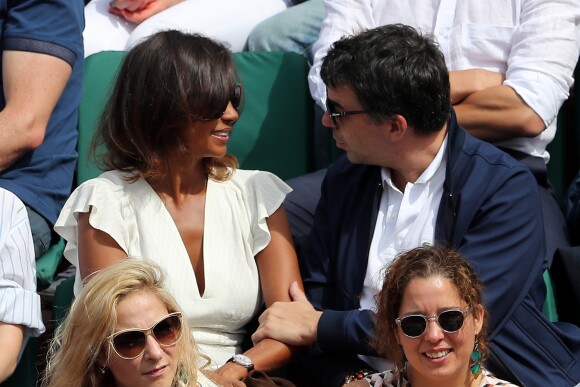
412,175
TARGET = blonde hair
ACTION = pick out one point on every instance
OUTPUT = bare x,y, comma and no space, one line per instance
77,346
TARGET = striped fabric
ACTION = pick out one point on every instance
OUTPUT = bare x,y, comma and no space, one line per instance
19,302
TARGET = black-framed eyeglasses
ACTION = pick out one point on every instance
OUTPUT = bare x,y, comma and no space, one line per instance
235,99
450,320
334,115
130,343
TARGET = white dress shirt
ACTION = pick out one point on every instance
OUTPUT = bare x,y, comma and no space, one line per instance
19,302
535,43
405,220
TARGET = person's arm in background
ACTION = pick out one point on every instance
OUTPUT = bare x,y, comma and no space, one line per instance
278,268
343,17
20,307
11,340
33,84
525,100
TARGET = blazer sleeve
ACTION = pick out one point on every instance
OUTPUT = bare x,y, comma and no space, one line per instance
504,241
343,329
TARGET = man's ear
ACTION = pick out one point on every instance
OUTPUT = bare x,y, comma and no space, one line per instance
398,127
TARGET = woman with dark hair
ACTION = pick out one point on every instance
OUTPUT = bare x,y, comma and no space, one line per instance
172,190
431,323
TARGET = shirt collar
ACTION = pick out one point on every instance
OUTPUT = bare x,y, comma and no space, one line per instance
437,163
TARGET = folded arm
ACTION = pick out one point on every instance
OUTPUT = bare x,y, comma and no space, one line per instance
543,54
498,113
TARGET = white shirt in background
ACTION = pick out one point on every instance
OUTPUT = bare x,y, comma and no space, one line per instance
536,43
20,304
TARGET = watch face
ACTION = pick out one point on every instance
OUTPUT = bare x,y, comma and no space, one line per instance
243,360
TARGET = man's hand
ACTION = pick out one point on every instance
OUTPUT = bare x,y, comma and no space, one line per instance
231,370
223,381
137,11
293,323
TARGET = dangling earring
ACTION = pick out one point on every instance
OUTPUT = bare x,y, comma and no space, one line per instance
103,369
475,363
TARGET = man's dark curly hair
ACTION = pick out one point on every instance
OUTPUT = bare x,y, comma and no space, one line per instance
393,70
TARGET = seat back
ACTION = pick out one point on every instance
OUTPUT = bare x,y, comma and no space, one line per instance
274,132
98,77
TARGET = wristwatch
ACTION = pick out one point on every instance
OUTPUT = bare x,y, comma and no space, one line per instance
242,360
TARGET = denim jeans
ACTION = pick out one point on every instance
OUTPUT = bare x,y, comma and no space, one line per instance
293,30
41,232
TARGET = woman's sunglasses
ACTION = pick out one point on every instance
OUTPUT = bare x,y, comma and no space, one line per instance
414,325
130,343
235,99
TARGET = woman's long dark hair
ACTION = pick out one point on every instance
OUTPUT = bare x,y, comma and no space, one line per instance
165,83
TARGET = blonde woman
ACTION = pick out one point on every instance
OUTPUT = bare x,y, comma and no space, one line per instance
124,330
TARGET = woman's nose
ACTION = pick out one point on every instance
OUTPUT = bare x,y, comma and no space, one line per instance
433,332
230,114
152,349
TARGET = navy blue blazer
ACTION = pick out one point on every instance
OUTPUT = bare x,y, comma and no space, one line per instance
490,210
